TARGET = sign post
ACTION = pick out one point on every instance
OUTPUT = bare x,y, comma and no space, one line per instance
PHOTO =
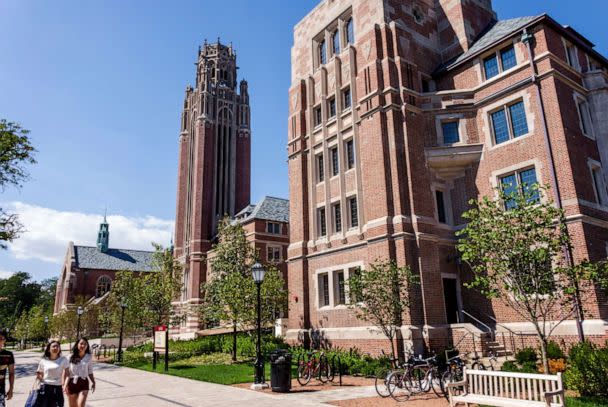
161,344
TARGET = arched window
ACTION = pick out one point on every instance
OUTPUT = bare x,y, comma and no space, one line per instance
322,53
350,31
103,286
335,39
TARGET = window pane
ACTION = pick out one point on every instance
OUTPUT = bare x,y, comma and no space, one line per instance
350,154
507,57
332,107
583,112
335,165
322,53
509,187
320,168
450,132
341,290
347,102
354,216
318,117
490,66
323,290
499,123
527,179
338,217
350,32
518,119
336,42
440,206
595,173
322,223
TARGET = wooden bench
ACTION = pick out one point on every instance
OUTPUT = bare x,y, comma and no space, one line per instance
504,389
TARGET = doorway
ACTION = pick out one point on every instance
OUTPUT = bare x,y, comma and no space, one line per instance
450,296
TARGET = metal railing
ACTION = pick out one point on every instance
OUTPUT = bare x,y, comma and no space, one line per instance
486,326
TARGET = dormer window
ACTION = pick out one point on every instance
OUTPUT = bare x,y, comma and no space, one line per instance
500,61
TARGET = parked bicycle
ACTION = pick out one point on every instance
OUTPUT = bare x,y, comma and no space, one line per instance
453,373
417,376
478,363
381,380
318,368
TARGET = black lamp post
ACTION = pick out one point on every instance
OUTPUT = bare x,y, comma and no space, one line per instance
258,276
79,312
123,307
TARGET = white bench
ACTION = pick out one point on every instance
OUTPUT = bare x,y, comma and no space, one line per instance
504,389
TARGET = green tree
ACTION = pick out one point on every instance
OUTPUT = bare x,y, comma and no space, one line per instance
16,151
17,295
516,246
148,295
31,326
229,295
381,295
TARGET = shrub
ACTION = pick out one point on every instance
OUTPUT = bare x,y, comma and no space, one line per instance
509,366
554,351
555,366
588,370
526,355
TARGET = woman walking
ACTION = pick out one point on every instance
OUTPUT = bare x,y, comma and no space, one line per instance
79,373
51,373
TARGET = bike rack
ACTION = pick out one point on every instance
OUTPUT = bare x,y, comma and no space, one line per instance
112,350
333,366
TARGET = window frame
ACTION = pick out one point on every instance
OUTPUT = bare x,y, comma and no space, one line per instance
274,259
270,225
506,108
107,283
349,151
497,55
598,183
335,36
320,167
323,290
585,120
321,222
351,224
445,122
322,51
517,173
573,61
336,211
332,108
349,31
340,297
347,106
335,161
317,116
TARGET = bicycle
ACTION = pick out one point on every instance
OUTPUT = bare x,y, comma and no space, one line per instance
381,380
454,373
425,377
417,376
478,364
314,367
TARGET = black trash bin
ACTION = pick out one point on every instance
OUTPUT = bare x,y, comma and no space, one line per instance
280,371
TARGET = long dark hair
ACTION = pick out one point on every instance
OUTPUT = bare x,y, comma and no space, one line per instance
47,350
75,358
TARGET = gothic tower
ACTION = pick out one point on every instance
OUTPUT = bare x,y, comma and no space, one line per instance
214,162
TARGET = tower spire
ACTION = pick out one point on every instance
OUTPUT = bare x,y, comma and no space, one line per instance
103,236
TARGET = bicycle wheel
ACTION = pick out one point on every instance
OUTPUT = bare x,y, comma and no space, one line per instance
396,386
381,383
304,373
416,381
478,366
435,382
323,369
446,378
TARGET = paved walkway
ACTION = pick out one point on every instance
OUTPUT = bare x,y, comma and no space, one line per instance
120,386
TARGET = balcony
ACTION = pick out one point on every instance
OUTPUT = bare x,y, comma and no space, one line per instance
450,162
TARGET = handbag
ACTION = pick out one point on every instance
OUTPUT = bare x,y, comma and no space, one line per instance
33,396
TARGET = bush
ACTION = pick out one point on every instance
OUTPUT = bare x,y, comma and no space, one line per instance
526,355
526,367
556,366
554,351
588,370
509,366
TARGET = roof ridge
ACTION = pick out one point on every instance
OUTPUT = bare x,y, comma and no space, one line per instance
116,248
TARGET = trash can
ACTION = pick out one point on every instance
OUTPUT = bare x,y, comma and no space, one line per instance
280,371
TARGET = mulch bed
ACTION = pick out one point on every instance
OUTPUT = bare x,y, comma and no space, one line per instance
424,400
315,385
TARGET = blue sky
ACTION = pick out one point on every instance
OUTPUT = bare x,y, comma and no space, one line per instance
101,83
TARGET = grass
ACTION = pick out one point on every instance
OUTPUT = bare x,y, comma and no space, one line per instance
586,402
214,373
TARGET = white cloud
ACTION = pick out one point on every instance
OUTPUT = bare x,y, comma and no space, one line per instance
5,274
48,232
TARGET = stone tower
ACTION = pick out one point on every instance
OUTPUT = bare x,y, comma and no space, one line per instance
214,162
103,236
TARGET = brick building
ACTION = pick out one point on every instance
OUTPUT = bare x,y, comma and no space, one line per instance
88,272
214,177
399,113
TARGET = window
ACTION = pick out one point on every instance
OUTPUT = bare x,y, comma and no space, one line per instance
323,281
450,132
522,181
335,41
572,56
335,163
317,116
273,254
320,167
322,222
103,286
440,201
353,271
339,289
350,32
426,85
331,107
509,122
346,102
584,115
273,227
337,218
499,62
598,184
350,154
322,53
354,215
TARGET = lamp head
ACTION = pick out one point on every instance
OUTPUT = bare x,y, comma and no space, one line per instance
258,273
80,310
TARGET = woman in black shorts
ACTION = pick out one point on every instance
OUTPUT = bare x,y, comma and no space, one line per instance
76,384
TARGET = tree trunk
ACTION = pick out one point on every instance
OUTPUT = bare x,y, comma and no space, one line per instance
234,341
543,352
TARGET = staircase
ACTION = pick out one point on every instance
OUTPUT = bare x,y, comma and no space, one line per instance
497,348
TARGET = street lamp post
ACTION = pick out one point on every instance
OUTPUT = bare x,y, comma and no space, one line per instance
46,327
258,276
79,311
123,307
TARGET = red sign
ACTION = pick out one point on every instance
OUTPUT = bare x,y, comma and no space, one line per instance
160,338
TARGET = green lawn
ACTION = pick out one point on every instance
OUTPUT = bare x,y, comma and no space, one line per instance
585,402
221,374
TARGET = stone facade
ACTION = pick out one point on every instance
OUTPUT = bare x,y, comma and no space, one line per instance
399,113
